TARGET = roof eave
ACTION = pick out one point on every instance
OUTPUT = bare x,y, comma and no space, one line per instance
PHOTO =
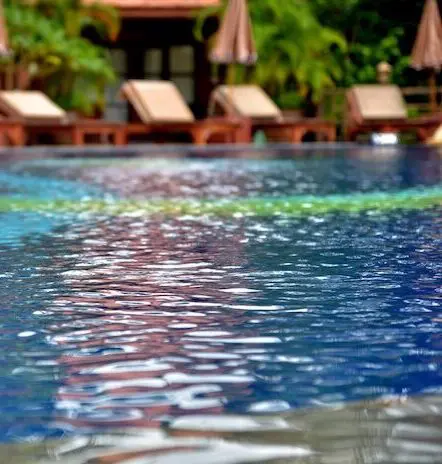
159,12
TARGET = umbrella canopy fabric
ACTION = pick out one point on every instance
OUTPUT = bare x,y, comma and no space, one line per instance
4,48
427,50
234,42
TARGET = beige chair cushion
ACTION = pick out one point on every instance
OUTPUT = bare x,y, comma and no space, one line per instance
247,100
157,101
379,102
30,105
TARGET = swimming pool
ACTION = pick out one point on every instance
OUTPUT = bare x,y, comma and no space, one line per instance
139,293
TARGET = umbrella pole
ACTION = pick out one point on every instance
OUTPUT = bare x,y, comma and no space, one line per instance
9,77
433,91
230,86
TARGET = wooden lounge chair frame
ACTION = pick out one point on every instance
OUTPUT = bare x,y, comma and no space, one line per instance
356,125
199,131
13,131
56,123
237,130
77,131
273,123
295,130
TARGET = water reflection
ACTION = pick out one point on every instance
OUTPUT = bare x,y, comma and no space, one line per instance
147,321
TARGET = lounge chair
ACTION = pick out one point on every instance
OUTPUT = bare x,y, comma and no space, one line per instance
250,101
39,114
381,108
161,108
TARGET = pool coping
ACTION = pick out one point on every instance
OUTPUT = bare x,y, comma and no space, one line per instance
191,151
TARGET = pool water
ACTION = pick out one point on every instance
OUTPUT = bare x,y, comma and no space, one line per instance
321,290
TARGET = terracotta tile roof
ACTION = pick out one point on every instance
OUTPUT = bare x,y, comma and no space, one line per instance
159,4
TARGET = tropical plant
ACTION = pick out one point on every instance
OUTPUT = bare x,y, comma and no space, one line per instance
45,37
294,48
76,15
374,33
362,59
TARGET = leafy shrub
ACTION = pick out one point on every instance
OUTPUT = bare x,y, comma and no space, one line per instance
46,40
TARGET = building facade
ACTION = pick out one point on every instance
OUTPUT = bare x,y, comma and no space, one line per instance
157,41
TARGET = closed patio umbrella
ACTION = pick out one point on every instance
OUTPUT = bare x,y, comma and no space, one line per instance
427,50
4,49
235,43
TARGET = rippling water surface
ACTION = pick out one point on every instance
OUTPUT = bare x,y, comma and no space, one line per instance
133,321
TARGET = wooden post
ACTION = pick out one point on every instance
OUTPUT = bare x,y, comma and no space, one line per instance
231,78
433,91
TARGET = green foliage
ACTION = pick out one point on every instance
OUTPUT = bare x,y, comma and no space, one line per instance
290,99
372,37
360,65
294,49
45,37
75,16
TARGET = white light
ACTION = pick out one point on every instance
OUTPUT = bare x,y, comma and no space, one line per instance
385,138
